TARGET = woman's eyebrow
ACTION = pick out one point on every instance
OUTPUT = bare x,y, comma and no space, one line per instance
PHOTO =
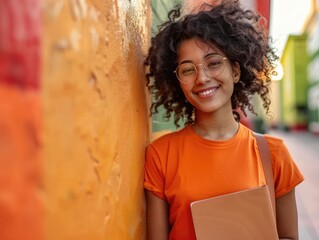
186,61
210,54
205,56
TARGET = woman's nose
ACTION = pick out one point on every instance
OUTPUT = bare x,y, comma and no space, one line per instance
201,77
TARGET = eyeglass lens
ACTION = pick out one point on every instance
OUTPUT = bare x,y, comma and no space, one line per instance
213,65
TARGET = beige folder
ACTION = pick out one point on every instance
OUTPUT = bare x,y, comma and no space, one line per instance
243,215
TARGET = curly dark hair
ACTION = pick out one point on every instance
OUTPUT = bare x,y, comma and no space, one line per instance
239,33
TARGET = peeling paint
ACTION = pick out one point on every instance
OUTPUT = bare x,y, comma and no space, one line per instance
95,38
79,9
57,8
93,84
96,164
121,11
93,14
106,40
61,45
132,16
75,37
107,218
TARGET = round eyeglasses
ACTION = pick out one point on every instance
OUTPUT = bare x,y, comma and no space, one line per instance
213,65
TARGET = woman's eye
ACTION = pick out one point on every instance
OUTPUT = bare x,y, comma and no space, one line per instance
187,71
213,64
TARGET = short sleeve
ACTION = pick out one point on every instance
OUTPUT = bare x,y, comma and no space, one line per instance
286,173
153,174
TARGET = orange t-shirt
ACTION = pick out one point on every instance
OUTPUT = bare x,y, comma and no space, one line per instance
182,167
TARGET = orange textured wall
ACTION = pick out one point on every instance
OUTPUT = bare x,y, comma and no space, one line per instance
21,211
95,118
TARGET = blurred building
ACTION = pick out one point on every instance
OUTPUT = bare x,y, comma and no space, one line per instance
298,105
312,30
294,84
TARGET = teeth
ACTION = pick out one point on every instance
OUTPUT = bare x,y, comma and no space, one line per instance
207,92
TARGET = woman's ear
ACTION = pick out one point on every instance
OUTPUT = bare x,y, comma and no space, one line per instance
236,71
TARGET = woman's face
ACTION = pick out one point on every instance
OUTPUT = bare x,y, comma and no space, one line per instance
208,90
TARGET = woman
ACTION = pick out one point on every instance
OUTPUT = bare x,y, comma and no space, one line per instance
201,67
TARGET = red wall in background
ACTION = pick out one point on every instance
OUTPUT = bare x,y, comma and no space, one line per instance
263,7
21,215
20,42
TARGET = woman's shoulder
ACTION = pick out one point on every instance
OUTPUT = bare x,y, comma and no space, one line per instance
166,137
274,142
277,147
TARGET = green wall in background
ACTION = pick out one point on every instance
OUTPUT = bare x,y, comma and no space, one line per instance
160,9
313,93
294,84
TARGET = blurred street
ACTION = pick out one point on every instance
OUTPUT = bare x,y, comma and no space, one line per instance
304,147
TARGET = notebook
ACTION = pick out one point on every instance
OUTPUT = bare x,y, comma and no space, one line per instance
243,215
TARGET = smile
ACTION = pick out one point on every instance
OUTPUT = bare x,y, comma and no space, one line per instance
207,92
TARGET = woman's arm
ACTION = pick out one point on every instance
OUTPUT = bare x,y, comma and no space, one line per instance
157,217
287,216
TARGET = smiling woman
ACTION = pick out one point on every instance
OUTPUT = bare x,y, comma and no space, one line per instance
200,68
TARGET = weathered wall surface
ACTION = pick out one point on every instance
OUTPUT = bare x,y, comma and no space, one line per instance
21,211
96,124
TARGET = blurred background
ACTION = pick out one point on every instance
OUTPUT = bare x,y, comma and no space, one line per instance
74,113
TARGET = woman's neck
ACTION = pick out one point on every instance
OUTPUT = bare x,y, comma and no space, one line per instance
215,128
